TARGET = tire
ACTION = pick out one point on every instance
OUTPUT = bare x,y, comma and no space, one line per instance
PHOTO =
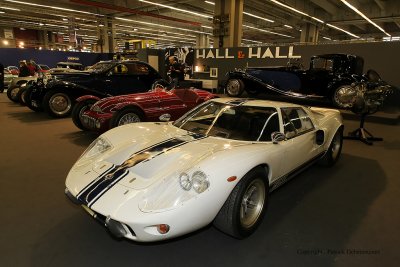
57,103
234,87
12,94
335,148
28,100
252,187
21,96
343,96
126,116
78,110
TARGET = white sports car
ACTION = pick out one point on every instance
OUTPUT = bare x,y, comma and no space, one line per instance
217,163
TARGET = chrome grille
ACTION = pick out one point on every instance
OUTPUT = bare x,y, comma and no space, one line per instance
89,122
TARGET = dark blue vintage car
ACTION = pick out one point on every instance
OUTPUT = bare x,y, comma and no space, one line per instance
330,76
109,78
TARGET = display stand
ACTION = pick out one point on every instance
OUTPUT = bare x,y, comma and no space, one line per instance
362,134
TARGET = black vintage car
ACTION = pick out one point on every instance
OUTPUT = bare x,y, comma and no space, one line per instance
108,78
329,76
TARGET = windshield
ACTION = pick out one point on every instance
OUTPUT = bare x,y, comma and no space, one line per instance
101,67
246,123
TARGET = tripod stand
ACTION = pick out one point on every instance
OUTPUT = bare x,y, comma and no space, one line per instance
362,134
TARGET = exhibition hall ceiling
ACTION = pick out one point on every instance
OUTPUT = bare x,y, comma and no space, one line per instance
177,23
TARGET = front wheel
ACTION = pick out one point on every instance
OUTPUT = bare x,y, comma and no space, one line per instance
245,207
13,93
57,103
28,100
78,111
343,96
21,95
126,116
234,87
335,148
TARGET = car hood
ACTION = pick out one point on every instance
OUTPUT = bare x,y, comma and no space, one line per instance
144,153
72,76
108,102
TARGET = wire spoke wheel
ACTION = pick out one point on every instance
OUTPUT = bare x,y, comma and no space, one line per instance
128,118
233,87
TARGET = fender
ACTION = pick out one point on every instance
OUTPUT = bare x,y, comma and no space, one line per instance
342,80
127,105
87,97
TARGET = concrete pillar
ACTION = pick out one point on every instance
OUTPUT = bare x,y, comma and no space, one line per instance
109,36
228,17
309,33
202,41
43,39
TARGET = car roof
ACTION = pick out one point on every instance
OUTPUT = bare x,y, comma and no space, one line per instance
255,102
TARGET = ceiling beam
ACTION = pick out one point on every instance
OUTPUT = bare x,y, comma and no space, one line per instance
327,6
381,4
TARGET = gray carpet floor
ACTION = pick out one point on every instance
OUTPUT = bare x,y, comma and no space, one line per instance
348,215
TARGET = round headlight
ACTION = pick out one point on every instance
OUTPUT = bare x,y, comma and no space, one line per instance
200,182
185,181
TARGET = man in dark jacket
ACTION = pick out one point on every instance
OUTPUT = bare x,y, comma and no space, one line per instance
176,71
23,69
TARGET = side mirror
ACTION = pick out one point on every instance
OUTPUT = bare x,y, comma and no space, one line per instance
165,117
277,137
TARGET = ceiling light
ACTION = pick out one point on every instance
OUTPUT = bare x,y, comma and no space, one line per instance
177,9
262,30
65,19
2,12
207,27
365,17
40,48
258,17
21,43
101,24
288,26
252,41
53,7
5,42
10,8
340,29
327,38
314,18
160,25
210,3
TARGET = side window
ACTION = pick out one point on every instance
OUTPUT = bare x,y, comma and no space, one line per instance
120,69
296,122
138,69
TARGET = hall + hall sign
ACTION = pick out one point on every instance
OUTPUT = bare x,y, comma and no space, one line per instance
247,53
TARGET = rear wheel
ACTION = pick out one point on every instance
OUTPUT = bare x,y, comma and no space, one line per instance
335,148
234,87
245,207
126,116
57,103
78,110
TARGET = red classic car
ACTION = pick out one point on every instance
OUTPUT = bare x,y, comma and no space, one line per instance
157,105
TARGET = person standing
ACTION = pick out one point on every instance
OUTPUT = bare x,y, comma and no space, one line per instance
23,69
1,78
31,66
176,71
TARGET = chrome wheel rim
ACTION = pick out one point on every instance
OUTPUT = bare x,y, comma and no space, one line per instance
14,92
252,203
233,87
344,96
23,97
128,118
60,103
336,143
82,110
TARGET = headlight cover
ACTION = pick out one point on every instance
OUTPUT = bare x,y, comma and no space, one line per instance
97,147
173,192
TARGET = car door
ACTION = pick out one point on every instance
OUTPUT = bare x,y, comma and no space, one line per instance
300,145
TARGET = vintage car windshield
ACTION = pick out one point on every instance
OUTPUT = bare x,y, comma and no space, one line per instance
246,123
101,67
